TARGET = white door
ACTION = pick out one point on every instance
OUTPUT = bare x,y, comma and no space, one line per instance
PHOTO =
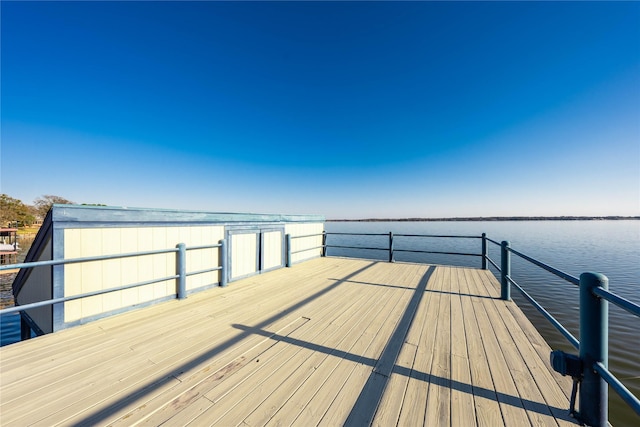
272,250
244,254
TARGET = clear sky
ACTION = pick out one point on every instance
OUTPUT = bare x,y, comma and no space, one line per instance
351,110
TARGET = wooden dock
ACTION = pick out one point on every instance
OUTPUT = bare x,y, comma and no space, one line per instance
328,342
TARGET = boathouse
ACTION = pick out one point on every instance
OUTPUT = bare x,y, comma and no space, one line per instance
8,245
248,244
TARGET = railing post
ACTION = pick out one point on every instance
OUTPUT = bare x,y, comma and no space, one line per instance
391,247
505,273
594,338
288,244
25,329
224,263
181,270
324,243
484,251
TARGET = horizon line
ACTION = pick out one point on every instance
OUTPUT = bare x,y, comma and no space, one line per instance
493,218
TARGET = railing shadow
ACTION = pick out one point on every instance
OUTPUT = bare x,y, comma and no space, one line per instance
426,290
149,387
366,405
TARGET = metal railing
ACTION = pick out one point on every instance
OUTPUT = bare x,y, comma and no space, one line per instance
390,249
589,369
181,273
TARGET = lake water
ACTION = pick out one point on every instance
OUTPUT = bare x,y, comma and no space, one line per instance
10,324
608,247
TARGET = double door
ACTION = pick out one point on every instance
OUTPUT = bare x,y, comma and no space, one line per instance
254,250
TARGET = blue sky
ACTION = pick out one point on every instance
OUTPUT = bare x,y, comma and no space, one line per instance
351,110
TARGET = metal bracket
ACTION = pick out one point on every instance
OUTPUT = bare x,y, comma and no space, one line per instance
568,364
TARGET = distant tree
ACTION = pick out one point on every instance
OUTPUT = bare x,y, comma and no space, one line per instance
14,211
43,204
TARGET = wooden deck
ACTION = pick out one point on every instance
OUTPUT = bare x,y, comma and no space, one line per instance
328,342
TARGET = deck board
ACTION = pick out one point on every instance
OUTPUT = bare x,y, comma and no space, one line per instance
328,342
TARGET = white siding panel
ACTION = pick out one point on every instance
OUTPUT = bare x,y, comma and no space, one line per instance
98,275
244,253
72,275
145,264
272,250
129,269
111,271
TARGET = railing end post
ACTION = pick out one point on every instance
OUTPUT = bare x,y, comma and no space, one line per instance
391,247
288,247
25,329
224,263
505,273
181,270
594,338
324,243
484,251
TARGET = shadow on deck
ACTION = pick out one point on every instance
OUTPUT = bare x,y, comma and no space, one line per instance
387,344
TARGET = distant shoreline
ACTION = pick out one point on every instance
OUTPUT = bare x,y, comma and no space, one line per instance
493,218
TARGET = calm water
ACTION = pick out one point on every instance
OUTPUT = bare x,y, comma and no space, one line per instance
608,247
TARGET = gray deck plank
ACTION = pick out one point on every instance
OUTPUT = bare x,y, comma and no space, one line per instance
328,342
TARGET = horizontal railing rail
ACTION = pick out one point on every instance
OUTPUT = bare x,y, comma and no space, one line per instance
85,259
594,300
392,250
357,247
623,303
593,355
561,274
52,301
181,274
438,236
593,347
572,340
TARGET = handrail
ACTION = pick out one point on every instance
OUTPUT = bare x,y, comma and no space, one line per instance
180,249
588,397
493,263
307,235
391,250
572,340
569,278
53,301
618,387
593,331
357,247
358,234
493,241
618,300
306,249
436,252
85,259
438,235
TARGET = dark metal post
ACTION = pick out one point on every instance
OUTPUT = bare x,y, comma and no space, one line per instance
505,273
594,339
324,243
224,263
288,244
484,251
391,247
181,270
25,329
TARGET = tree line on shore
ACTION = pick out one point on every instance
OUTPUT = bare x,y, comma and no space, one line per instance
15,212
